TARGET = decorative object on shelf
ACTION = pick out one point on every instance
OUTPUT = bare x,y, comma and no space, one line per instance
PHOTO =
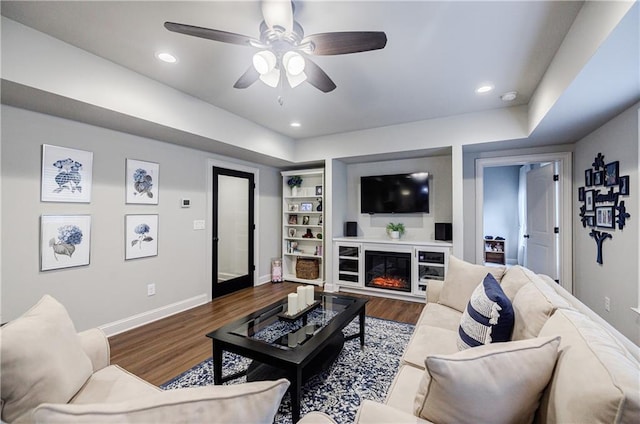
319,236
293,219
319,207
319,190
141,236
276,270
308,234
395,230
601,207
292,232
293,207
307,268
305,220
66,175
320,220
294,182
142,182
306,207
65,241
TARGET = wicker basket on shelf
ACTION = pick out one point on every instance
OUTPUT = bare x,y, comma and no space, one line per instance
307,268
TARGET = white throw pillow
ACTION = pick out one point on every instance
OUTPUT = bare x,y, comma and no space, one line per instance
461,280
495,383
41,359
255,403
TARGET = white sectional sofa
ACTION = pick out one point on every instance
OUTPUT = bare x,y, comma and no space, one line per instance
563,365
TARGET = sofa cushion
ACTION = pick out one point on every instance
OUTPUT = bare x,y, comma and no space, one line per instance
495,383
595,380
404,388
437,315
255,402
113,384
42,359
427,340
531,309
488,317
514,278
371,412
461,280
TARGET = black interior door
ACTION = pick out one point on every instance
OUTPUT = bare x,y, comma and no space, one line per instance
233,231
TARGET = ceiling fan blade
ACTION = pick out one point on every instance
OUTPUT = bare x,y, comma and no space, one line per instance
248,78
317,77
209,34
278,13
331,43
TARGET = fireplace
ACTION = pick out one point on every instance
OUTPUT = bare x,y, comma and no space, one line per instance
388,270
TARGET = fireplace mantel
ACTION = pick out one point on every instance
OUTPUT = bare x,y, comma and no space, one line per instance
429,260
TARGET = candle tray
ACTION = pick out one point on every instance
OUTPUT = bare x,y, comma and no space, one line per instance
286,317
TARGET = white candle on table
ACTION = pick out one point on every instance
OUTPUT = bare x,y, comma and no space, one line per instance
310,295
302,298
292,306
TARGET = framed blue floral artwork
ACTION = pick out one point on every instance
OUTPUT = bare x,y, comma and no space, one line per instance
141,236
66,174
142,182
65,241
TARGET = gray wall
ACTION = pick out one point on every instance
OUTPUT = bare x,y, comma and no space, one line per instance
617,278
110,288
501,186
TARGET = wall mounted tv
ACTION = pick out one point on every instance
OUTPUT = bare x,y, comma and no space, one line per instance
400,193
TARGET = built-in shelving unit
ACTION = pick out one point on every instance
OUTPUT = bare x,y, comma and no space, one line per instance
303,224
494,251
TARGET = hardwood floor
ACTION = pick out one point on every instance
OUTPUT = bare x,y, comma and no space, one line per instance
165,348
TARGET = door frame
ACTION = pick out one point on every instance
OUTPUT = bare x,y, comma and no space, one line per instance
564,203
211,163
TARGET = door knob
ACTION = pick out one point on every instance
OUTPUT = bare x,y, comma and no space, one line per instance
526,236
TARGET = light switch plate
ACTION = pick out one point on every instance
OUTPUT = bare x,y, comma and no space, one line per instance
185,203
198,224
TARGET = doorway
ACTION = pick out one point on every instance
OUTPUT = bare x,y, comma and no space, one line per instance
549,214
233,228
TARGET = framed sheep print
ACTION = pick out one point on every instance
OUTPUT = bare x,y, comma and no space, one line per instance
65,241
142,182
66,175
141,236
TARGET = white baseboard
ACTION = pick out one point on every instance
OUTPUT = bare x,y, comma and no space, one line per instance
263,279
126,324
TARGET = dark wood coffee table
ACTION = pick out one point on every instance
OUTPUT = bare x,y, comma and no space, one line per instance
293,346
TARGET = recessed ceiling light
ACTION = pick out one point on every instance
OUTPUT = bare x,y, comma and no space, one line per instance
295,124
166,57
485,88
510,96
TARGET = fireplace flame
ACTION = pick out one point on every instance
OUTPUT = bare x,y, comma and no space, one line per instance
390,282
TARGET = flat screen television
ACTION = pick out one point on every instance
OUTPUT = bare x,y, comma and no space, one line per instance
399,193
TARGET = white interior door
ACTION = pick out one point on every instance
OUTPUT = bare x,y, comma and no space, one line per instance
542,241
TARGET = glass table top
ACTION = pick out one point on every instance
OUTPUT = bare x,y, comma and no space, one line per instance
270,328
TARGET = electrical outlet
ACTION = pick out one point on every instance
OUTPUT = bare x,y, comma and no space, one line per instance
607,304
151,289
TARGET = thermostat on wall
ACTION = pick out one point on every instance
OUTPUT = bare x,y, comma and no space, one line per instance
185,203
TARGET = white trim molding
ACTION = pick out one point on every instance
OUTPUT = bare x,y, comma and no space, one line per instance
126,324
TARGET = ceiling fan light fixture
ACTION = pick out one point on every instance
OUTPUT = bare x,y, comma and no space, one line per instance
293,63
272,78
264,61
296,80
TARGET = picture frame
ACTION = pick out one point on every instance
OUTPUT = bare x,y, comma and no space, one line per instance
591,221
293,207
292,232
624,185
293,220
66,175
65,241
611,173
318,190
598,178
581,194
305,220
142,182
588,178
141,236
605,216
306,207
588,201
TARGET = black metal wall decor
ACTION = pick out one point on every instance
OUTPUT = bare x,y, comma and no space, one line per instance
601,208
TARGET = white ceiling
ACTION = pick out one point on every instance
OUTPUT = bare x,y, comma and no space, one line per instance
437,53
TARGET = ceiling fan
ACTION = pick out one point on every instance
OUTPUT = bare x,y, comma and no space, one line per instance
284,50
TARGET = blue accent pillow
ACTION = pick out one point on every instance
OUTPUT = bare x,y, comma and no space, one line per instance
488,317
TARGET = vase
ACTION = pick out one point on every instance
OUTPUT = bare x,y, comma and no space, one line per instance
395,235
294,191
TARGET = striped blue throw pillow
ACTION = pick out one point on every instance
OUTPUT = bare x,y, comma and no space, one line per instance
488,317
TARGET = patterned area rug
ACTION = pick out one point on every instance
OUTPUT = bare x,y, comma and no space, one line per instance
356,375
